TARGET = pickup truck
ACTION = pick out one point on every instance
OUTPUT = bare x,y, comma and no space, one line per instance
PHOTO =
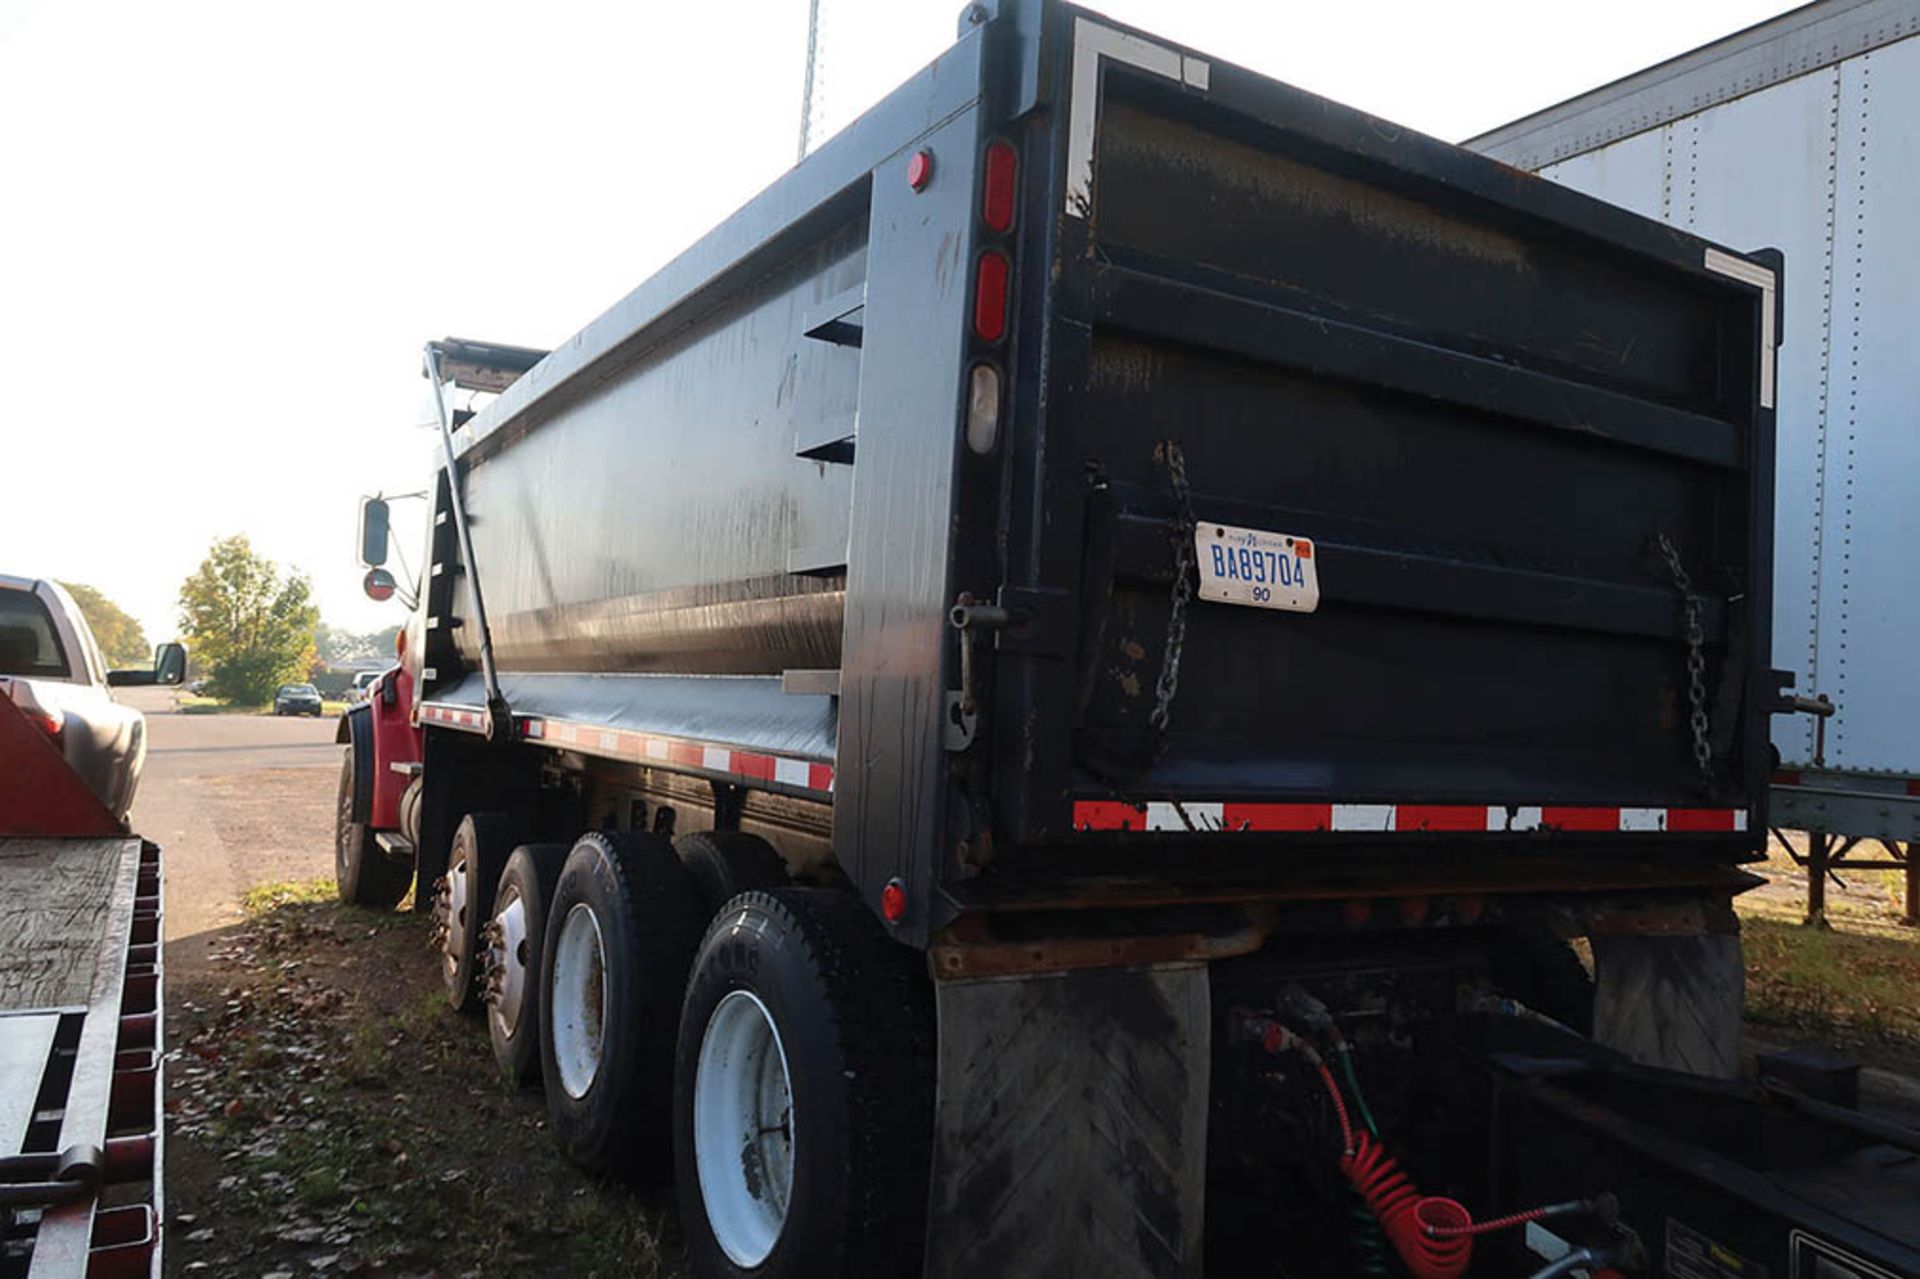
53,671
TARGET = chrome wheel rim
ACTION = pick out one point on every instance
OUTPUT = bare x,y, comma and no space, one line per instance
510,960
458,895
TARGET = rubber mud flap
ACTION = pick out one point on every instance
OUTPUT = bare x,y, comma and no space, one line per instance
1671,1001
1071,1131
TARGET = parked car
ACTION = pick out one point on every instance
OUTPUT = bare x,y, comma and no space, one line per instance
200,686
52,669
363,684
297,699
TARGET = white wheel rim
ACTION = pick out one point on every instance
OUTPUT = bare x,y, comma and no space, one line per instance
512,953
578,999
457,896
743,1128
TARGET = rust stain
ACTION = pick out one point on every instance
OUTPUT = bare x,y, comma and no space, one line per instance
943,261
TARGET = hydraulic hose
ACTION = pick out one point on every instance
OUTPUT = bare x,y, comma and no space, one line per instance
1433,1234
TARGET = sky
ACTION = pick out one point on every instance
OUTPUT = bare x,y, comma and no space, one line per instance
226,229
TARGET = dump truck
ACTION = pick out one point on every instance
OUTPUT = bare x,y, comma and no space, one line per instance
1051,696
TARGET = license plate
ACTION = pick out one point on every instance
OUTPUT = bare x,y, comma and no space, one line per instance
1256,568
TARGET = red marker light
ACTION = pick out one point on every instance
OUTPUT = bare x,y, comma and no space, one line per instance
52,723
996,200
893,901
920,170
990,296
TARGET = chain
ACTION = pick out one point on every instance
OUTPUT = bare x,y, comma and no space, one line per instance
1696,657
1182,589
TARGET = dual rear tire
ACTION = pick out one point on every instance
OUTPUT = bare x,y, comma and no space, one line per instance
780,1067
621,933
803,1092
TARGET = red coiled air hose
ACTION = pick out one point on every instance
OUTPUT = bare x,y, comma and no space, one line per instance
1433,1236
1408,1216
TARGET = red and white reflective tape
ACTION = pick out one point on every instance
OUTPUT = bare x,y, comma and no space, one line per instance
454,717
1097,815
751,768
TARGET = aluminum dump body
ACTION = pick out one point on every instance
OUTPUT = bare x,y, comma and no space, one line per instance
1523,438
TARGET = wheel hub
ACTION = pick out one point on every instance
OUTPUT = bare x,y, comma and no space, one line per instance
456,918
507,961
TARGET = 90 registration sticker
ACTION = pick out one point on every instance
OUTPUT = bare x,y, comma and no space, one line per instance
1256,568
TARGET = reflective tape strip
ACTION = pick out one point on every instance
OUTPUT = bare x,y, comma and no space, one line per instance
1203,815
750,768
454,717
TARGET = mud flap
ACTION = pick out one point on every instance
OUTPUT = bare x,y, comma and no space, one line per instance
1070,1131
1674,1001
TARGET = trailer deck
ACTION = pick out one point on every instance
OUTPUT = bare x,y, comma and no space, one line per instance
80,1076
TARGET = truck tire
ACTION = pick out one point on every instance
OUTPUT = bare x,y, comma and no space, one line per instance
463,902
362,874
620,936
803,1093
726,863
514,941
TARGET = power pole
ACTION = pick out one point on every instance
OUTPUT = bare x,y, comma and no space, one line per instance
806,94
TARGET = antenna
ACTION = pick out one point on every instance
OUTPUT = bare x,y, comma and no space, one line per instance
806,94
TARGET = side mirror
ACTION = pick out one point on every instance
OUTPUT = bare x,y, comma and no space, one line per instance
170,664
379,585
374,514
169,667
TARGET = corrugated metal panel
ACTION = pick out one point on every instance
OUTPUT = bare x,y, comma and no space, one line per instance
1821,166
1806,40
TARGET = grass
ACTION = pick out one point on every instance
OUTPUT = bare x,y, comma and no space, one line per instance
330,1111
262,898
1848,981
1857,979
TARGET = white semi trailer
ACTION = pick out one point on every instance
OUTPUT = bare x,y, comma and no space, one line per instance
1803,133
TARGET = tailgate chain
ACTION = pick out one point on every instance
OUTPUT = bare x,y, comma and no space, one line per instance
1696,657
1169,682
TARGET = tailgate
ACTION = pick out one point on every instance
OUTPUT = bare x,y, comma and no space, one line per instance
1481,405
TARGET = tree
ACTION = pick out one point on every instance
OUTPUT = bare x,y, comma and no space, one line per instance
252,627
122,641
338,646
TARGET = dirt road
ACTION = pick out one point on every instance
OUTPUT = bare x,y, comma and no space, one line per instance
236,801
